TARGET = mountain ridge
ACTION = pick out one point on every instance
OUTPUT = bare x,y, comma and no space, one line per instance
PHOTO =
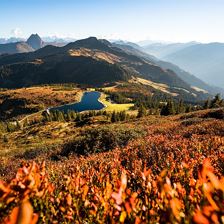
185,76
205,61
34,42
90,61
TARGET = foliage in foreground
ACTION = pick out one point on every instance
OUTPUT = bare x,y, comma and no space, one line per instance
165,177
101,197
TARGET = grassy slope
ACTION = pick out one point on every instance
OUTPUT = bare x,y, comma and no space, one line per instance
114,106
42,97
47,95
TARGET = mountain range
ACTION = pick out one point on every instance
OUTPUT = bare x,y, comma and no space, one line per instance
34,42
185,76
92,62
195,63
205,61
161,50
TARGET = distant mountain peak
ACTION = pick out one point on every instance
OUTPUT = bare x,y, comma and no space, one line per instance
89,40
35,41
91,43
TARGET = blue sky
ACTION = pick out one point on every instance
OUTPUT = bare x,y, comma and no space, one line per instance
134,20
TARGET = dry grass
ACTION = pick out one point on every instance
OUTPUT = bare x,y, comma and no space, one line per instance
98,55
40,98
46,95
159,86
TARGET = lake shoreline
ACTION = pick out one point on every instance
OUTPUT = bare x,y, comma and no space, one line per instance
86,100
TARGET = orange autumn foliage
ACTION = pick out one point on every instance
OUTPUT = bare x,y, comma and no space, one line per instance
76,201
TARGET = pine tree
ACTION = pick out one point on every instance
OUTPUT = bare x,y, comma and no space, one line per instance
113,117
164,110
141,111
217,101
207,104
78,117
5,138
25,123
18,125
122,116
61,116
189,108
181,108
73,115
171,107
168,109
69,116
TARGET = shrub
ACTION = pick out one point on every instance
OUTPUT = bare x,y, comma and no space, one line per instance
191,121
101,139
99,197
217,114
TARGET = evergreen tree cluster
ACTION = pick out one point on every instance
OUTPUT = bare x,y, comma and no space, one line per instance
57,115
216,102
172,107
118,97
120,116
77,117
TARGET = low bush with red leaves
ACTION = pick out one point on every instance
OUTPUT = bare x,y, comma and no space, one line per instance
173,175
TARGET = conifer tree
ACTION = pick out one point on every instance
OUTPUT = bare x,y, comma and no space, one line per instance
122,116
207,104
168,109
113,117
141,111
69,116
78,117
189,108
181,108
217,101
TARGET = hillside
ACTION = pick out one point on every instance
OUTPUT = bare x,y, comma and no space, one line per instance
17,103
13,48
90,62
159,168
203,60
190,79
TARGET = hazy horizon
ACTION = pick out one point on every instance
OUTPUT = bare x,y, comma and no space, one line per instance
156,20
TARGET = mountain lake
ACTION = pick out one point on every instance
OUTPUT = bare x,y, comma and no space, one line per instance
89,101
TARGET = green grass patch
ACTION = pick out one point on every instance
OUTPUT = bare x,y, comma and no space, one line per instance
109,106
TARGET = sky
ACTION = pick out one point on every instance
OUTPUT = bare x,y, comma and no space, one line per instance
132,20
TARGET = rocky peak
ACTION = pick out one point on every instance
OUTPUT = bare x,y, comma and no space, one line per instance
35,41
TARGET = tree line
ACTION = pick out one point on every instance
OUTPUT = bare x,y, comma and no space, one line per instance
148,106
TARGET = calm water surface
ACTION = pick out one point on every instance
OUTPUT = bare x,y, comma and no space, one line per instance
89,101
